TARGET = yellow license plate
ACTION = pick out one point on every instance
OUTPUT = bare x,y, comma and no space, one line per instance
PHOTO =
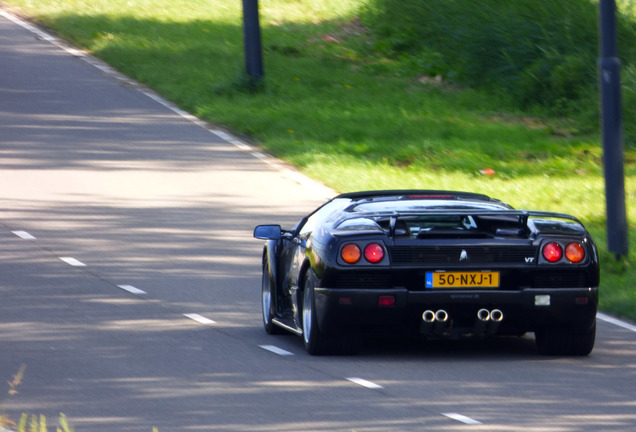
485,279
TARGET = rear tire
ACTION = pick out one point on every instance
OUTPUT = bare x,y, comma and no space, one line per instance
316,343
268,300
564,341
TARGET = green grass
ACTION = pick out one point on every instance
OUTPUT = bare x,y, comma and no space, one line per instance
33,423
355,104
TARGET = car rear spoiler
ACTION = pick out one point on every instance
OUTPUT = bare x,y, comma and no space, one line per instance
521,215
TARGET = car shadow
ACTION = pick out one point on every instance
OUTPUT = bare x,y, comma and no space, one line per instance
493,347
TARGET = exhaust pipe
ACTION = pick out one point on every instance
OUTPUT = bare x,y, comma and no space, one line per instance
441,316
428,318
441,321
483,316
496,317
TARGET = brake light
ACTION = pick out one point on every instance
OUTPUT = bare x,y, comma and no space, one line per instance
374,253
552,252
350,253
386,300
574,252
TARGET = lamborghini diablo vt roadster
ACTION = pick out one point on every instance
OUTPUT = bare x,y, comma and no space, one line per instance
432,264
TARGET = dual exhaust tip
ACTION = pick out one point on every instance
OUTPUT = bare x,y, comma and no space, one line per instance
430,316
437,322
494,315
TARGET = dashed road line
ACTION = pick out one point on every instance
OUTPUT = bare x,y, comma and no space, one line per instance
365,383
276,350
199,318
73,262
462,418
131,289
23,235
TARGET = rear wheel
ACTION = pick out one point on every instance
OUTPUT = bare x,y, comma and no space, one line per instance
268,300
564,341
316,343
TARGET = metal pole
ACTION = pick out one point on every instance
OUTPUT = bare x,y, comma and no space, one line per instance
252,42
612,130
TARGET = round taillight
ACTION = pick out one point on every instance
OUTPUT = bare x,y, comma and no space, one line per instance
574,252
552,252
374,253
350,253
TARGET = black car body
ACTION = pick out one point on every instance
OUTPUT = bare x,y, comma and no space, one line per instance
438,264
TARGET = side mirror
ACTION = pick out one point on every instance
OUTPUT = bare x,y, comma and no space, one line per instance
268,232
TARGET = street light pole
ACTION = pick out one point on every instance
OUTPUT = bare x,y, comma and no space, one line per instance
612,130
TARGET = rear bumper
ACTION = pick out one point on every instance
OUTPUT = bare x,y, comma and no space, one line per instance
526,310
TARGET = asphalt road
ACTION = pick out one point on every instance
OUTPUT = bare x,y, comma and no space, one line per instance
129,286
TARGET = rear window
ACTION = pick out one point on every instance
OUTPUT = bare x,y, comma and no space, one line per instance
420,205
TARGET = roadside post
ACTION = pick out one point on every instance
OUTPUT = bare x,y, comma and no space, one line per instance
252,42
612,130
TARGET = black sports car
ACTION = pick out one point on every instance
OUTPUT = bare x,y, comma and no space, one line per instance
437,264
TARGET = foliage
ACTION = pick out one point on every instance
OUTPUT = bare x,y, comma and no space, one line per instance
537,52
33,423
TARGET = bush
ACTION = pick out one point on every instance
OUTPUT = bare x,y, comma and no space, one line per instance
539,52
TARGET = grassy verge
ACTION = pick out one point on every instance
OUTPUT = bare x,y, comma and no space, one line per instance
344,110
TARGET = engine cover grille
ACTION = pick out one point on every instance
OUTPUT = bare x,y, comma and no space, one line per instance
458,255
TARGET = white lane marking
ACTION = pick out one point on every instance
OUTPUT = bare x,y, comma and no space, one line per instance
231,139
462,418
131,289
364,383
199,318
616,321
23,235
276,350
72,261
